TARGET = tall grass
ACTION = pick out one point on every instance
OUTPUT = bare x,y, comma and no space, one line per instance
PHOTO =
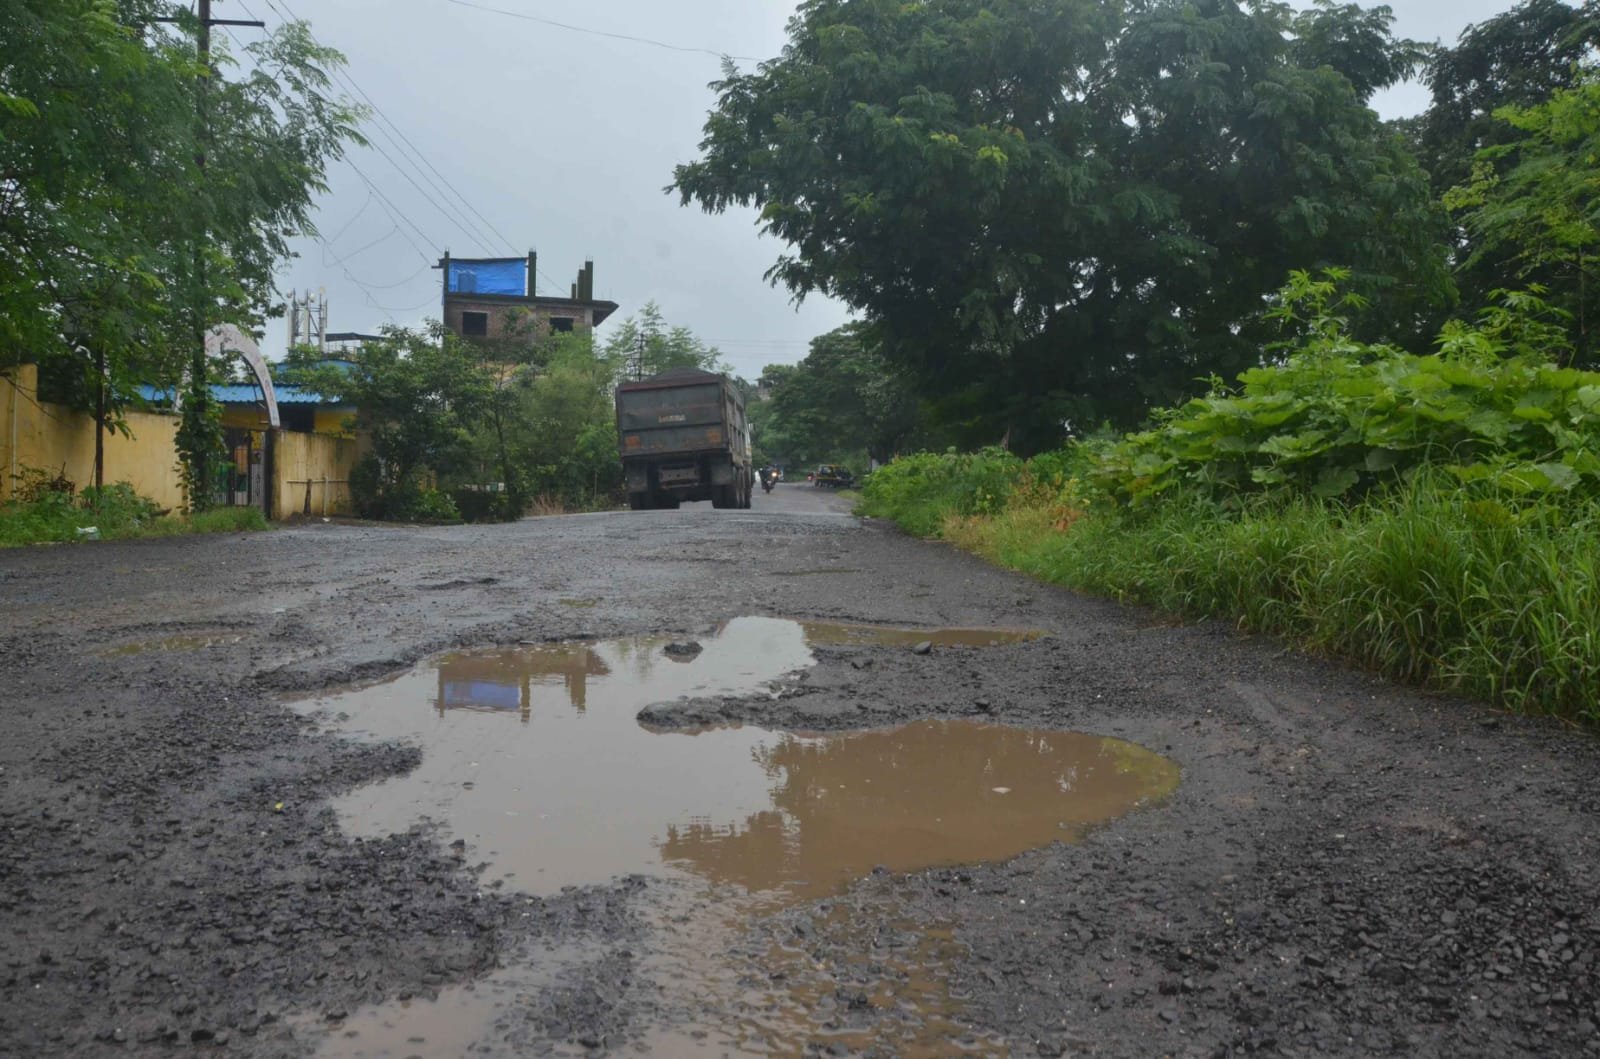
1494,597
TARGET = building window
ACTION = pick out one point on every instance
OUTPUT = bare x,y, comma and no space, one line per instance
475,324
561,323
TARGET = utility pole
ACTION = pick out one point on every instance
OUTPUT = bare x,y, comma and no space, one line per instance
199,396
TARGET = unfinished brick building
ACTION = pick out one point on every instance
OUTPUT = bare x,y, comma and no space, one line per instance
494,298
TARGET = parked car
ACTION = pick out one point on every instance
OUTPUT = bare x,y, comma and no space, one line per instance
835,475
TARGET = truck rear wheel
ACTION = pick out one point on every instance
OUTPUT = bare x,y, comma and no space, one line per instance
724,496
639,501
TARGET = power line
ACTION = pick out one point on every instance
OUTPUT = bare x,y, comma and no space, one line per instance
384,238
389,309
599,32
395,213
327,244
401,143
345,227
399,283
454,213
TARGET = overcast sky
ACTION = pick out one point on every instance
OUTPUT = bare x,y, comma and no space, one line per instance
562,141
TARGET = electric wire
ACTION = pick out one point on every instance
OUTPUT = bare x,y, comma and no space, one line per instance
345,227
401,282
394,229
384,203
395,212
599,32
286,12
458,218
401,143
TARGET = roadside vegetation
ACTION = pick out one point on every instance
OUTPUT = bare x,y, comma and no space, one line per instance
844,403
1395,460
47,509
1435,518
148,194
520,423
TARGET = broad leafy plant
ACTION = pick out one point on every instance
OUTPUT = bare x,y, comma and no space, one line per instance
1335,417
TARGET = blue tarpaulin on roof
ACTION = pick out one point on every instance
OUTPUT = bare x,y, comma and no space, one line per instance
493,694
489,277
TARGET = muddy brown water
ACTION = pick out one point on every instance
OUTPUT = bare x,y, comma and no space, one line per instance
534,758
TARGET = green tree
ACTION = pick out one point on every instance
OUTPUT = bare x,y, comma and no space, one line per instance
1518,58
564,432
145,196
509,362
1053,210
418,396
844,401
643,345
1355,42
1541,215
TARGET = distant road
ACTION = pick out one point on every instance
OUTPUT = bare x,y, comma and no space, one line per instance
793,498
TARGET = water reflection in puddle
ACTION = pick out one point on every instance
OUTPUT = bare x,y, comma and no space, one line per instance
535,758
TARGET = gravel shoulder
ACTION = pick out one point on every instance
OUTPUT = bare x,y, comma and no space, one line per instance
1347,867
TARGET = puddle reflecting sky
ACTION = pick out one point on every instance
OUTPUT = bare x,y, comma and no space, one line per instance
533,756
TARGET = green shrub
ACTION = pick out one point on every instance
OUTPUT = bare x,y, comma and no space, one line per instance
480,505
1436,519
919,491
115,507
1337,418
430,505
115,512
366,487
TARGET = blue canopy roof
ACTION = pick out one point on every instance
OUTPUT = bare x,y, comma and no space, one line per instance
244,393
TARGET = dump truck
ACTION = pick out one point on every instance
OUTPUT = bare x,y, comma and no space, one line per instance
682,436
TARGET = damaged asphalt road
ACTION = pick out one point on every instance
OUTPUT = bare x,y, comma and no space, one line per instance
1345,867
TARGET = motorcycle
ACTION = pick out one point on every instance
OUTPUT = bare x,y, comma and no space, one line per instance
768,481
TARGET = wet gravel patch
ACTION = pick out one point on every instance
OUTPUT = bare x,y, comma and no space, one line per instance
1347,868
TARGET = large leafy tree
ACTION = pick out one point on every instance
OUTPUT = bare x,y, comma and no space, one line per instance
145,195
842,401
565,434
1518,59
1054,210
97,144
1539,212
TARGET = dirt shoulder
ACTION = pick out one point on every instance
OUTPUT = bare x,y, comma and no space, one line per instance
1346,867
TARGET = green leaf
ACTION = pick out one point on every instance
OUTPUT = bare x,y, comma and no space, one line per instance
1380,460
1335,481
1488,423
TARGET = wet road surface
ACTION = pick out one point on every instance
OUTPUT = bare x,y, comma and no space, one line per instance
653,783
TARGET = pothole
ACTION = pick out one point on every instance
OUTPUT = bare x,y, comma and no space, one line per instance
187,642
850,634
535,760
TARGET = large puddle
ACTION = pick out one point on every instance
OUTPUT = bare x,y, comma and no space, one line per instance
534,758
